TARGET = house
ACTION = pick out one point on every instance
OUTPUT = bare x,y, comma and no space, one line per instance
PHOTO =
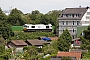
53,38
18,44
77,55
78,50
37,43
59,58
76,43
71,18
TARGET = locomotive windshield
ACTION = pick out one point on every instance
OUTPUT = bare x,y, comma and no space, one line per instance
26,26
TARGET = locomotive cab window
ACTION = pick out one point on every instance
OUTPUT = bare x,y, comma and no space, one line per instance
47,26
25,26
32,26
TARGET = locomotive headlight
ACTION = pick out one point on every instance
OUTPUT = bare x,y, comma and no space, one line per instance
25,29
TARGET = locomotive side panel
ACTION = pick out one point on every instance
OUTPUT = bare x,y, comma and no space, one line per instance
37,27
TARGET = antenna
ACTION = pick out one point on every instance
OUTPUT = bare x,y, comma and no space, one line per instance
10,8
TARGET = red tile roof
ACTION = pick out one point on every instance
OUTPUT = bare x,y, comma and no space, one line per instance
71,54
19,42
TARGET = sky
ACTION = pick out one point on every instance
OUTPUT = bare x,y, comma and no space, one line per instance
44,6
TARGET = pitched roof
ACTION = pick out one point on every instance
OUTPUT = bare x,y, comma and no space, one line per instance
74,10
34,42
19,42
78,50
53,38
80,11
75,39
70,54
44,42
76,42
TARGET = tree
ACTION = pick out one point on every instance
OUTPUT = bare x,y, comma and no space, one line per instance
4,54
36,17
3,17
49,50
64,41
15,17
86,39
53,15
87,33
5,29
31,52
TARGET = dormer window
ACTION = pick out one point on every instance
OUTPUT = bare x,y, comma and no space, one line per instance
66,15
72,15
76,15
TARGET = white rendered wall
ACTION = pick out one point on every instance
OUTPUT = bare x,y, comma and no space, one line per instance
85,21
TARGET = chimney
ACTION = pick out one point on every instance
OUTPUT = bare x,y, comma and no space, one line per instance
87,7
79,6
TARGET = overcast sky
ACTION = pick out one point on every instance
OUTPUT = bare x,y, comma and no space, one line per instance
44,6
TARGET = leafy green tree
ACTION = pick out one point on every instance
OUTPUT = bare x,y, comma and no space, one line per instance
26,18
64,41
34,14
86,39
4,54
2,49
49,50
31,52
36,17
3,17
5,29
15,17
87,34
53,15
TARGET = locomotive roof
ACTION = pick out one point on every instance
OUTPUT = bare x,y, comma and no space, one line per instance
37,24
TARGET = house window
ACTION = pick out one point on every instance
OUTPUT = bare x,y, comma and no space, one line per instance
73,30
66,22
73,22
87,17
72,15
73,37
88,13
63,29
62,22
77,22
66,15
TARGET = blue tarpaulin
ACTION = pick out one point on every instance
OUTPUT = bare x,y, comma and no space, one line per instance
46,39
